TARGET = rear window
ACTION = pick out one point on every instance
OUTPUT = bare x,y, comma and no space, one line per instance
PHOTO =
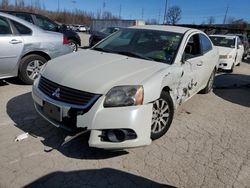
26,17
23,30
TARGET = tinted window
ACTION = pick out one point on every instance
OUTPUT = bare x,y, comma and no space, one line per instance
21,28
4,27
206,44
46,24
26,17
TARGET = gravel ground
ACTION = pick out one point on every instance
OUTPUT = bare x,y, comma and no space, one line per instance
208,145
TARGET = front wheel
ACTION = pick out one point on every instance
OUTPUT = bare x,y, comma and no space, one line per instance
30,67
163,113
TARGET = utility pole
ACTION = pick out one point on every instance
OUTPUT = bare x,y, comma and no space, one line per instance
159,16
165,14
58,5
142,13
225,18
120,11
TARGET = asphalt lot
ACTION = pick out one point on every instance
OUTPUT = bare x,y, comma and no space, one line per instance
208,144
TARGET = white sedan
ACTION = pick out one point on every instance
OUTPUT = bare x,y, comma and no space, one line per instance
231,50
125,89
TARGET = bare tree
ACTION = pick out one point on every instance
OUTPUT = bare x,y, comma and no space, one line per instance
5,4
173,15
210,20
230,20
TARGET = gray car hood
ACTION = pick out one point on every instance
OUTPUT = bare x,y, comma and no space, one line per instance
98,72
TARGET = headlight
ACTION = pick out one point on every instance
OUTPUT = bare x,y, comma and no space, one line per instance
225,56
124,96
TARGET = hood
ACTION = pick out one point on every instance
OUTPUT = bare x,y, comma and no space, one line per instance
225,50
97,72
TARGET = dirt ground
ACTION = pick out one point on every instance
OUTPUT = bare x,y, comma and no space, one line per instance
208,145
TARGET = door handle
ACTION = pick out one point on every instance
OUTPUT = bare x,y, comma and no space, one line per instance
15,41
200,63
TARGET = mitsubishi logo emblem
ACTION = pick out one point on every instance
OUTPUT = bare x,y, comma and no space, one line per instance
56,93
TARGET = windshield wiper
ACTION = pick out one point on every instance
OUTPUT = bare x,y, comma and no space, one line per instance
132,54
101,50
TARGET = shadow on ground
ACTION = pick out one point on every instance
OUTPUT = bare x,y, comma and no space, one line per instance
21,110
101,178
234,88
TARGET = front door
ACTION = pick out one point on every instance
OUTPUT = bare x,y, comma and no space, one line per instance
10,49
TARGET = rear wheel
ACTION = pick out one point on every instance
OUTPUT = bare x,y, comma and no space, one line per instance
30,67
163,112
73,45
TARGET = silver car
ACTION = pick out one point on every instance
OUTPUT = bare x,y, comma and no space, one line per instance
25,48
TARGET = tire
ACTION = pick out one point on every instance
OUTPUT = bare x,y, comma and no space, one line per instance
162,117
73,45
232,69
210,83
30,67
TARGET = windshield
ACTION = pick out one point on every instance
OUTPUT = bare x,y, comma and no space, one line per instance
160,46
223,41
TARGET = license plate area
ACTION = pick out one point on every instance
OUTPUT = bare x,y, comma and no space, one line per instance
52,111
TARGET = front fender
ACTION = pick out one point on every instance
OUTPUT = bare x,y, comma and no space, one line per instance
154,85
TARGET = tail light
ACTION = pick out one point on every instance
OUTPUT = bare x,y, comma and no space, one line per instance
65,40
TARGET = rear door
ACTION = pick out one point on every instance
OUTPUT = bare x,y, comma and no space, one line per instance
209,59
10,49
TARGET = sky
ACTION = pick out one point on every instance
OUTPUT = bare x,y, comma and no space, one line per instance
193,11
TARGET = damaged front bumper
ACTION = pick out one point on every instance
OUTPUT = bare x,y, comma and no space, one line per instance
110,128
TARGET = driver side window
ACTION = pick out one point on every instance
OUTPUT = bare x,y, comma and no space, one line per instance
193,47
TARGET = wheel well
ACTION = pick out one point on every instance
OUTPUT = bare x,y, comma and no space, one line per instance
43,54
166,89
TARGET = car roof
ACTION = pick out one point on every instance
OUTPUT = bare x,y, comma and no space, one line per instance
176,29
228,36
30,25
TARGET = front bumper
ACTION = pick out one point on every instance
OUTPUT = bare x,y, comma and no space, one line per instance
226,64
99,119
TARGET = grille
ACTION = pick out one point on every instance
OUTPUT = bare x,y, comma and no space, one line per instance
66,94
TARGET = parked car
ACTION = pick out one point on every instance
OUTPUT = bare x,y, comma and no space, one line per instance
25,48
231,50
49,25
245,42
125,89
80,28
97,36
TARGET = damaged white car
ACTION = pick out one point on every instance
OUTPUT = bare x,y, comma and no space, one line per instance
125,89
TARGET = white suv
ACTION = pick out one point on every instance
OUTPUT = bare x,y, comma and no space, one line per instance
124,90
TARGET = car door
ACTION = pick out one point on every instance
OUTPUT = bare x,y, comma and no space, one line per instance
209,60
10,49
193,63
